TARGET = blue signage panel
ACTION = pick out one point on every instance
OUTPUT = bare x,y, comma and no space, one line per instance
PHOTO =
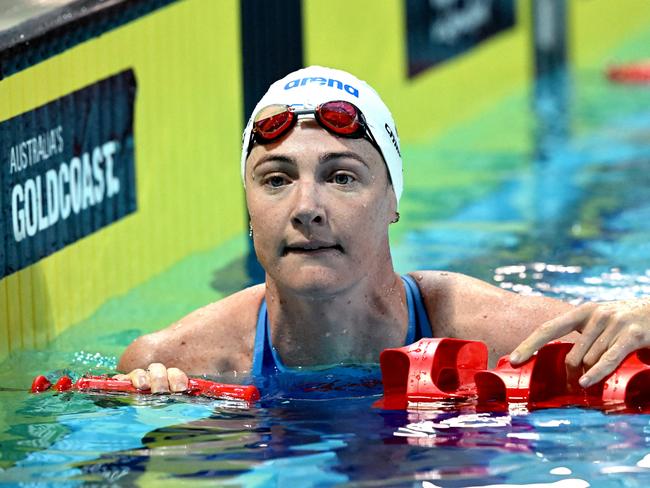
438,30
67,170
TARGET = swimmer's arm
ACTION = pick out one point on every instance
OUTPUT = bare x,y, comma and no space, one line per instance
215,339
608,333
170,346
144,364
467,308
141,352
603,333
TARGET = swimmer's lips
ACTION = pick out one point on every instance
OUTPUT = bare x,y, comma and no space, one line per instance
312,248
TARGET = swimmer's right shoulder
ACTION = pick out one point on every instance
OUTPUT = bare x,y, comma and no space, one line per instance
218,337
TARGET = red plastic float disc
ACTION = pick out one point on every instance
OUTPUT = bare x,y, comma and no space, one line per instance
64,384
40,383
633,73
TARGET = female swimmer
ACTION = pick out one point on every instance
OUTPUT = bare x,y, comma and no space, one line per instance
322,169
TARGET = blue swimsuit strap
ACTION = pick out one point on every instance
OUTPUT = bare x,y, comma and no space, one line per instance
267,360
263,361
419,318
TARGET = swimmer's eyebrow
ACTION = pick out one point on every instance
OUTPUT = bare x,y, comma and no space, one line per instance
274,158
326,157
322,159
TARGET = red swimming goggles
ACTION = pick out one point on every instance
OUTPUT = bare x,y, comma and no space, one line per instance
338,117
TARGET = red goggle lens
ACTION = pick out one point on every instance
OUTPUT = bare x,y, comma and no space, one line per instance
339,117
273,121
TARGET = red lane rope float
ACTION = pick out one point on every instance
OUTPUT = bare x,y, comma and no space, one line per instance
631,381
537,380
633,73
433,369
40,383
444,369
196,387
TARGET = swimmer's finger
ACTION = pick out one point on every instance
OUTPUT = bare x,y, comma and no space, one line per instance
609,361
158,378
632,337
177,379
551,330
121,377
139,378
598,348
599,322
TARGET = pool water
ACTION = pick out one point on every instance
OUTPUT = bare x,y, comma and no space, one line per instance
567,217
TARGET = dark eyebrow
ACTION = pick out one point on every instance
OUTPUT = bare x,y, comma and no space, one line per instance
279,158
326,157
322,159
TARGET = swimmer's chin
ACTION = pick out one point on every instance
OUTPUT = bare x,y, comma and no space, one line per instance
315,285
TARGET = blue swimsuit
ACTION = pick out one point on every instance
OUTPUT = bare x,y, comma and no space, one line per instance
266,359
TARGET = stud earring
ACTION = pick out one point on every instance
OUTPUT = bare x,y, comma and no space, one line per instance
250,229
396,219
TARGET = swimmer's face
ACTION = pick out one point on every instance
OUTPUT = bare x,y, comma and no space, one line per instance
320,206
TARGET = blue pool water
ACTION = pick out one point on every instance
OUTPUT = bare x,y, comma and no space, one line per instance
572,221
75,439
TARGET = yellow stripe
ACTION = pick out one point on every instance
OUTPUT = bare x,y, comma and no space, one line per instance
5,325
598,25
26,308
14,318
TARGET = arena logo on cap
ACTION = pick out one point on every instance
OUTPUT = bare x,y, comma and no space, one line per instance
323,81
393,138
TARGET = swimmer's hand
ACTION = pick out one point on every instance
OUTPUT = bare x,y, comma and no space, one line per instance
156,378
608,333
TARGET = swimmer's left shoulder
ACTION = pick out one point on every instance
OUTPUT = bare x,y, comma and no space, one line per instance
432,282
443,294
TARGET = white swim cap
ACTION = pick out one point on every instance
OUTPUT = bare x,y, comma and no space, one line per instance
309,87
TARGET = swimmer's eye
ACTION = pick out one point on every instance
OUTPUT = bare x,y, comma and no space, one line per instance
275,181
343,179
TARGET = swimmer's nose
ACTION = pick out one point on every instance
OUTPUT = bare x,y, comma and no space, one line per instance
308,210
